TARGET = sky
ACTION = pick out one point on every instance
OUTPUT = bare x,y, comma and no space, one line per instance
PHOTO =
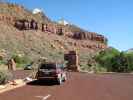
112,18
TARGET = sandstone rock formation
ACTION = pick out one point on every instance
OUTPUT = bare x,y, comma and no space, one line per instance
32,23
89,36
73,60
75,37
7,18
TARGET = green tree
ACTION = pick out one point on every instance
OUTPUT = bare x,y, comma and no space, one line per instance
21,61
104,58
119,63
115,61
129,57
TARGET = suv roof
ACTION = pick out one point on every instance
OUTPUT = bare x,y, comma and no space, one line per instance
48,66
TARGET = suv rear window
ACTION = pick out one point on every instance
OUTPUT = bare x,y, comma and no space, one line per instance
48,66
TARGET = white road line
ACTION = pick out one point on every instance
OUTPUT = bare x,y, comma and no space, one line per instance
44,97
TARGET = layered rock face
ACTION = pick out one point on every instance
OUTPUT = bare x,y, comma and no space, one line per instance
7,18
26,25
23,19
90,36
60,30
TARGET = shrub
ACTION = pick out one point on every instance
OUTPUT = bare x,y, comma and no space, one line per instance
97,68
5,76
21,61
115,61
84,66
119,63
2,62
104,58
129,57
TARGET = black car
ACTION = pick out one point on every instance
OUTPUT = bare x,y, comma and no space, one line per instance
51,71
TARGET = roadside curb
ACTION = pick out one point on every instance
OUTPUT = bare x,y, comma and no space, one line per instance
9,87
104,72
14,84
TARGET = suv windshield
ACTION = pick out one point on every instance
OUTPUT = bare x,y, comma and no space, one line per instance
48,66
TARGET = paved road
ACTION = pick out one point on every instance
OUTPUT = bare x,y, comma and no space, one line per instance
80,86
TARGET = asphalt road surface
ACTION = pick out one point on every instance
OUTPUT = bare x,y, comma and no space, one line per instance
79,86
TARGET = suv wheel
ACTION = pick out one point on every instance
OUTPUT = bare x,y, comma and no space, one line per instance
59,80
65,78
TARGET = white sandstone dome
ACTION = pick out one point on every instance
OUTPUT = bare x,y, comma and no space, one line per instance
63,22
36,11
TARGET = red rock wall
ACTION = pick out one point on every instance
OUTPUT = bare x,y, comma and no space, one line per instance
89,36
23,24
6,18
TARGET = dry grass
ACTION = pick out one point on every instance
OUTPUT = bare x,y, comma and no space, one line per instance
3,67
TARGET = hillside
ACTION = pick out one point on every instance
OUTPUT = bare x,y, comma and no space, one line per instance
51,43
19,12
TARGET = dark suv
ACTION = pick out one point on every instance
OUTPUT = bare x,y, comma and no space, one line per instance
51,71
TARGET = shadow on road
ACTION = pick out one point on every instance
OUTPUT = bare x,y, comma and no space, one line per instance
42,83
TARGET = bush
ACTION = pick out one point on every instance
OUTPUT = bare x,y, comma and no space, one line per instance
97,68
115,61
5,76
21,61
104,58
119,63
2,62
84,66
129,57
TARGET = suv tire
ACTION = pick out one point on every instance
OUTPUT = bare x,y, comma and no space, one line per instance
64,78
59,81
